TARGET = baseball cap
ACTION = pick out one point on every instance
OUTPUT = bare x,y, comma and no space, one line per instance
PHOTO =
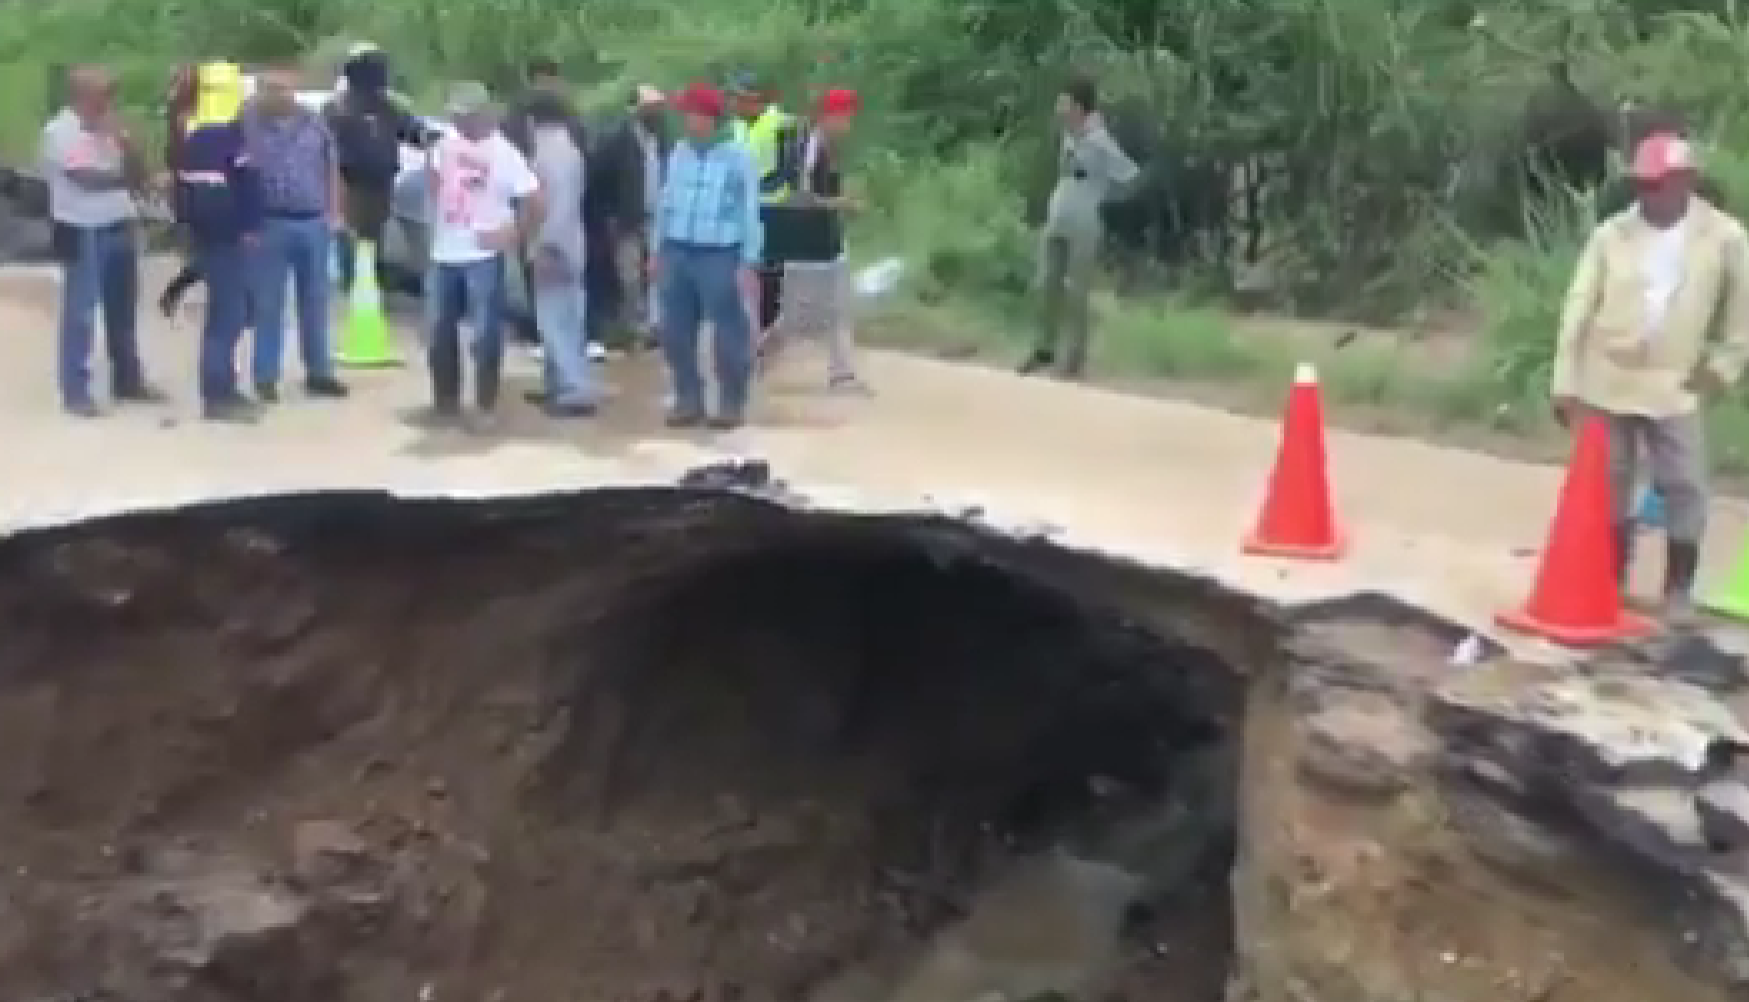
647,96
1660,155
700,99
470,97
744,83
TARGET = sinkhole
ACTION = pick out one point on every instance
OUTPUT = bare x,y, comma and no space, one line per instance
620,745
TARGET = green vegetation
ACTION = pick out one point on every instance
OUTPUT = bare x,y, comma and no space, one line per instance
1390,130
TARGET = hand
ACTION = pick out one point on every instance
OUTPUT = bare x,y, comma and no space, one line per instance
1705,382
1567,410
748,279
548,265
336,218
251,240
502,239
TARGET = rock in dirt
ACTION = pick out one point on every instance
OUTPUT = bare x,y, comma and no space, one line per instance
328,852
228,924
1364,744
1724,814
1050,925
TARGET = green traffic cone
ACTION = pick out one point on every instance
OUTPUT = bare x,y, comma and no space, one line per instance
1733,599
365,342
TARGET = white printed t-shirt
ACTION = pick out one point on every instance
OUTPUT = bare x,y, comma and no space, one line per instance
475,188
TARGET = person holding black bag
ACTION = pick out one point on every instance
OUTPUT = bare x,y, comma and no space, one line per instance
809,233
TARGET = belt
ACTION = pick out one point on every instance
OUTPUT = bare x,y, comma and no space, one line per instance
202,176
300,216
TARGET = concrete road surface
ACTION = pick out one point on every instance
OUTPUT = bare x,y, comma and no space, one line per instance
1164,482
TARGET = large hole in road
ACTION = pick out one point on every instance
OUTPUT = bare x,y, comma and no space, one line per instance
633,745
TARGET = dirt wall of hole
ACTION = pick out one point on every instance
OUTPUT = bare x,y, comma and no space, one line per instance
639,745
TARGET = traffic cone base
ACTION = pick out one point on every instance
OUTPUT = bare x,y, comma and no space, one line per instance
1298,520
1576,599
365,340
1335,549
1735,606
1733,599
1627,626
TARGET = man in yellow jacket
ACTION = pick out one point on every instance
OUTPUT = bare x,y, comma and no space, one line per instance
770,134
1636,346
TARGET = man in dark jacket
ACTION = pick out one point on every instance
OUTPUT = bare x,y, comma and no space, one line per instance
369,126
629,161
218,200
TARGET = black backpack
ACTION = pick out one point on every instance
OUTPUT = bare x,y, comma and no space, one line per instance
367,141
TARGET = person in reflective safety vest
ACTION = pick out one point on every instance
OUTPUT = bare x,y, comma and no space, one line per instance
769,133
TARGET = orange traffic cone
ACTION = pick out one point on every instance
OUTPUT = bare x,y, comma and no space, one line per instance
1298,519
1576,600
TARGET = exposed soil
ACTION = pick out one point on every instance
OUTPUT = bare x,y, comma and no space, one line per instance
338,749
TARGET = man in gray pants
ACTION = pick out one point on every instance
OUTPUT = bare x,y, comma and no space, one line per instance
1636,347
1092,169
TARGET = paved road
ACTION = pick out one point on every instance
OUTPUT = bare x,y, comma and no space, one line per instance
1164,482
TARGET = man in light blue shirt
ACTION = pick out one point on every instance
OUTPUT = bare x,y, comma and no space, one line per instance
709,240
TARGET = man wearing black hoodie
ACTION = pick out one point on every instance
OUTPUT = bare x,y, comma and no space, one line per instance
369,126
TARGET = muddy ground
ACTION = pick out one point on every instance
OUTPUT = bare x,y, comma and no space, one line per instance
340,749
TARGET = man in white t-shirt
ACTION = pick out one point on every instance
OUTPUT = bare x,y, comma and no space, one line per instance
484,205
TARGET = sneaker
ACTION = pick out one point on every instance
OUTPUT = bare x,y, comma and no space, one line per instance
1678,610
1038,361
144,393
597,351
84,409
571,410
479,422
326,387
725,422
850,385
233,411
684,419
267,393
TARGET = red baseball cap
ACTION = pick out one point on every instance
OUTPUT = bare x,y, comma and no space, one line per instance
700,99
1660,155
840,101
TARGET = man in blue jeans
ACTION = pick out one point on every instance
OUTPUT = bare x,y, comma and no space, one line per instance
484,205
218,201
294,156
710,238
93,168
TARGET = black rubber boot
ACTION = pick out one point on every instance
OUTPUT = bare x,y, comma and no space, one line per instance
1681,562
1624,553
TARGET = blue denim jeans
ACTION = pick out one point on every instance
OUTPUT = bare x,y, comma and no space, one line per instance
225,266
561,312
698,284
297,249
474,291
100,269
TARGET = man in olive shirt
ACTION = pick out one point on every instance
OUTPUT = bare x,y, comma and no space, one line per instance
1093,168
1636,346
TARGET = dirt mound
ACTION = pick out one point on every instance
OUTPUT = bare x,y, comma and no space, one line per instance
619,747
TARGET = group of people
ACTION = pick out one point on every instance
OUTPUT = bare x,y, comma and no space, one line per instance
736,223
